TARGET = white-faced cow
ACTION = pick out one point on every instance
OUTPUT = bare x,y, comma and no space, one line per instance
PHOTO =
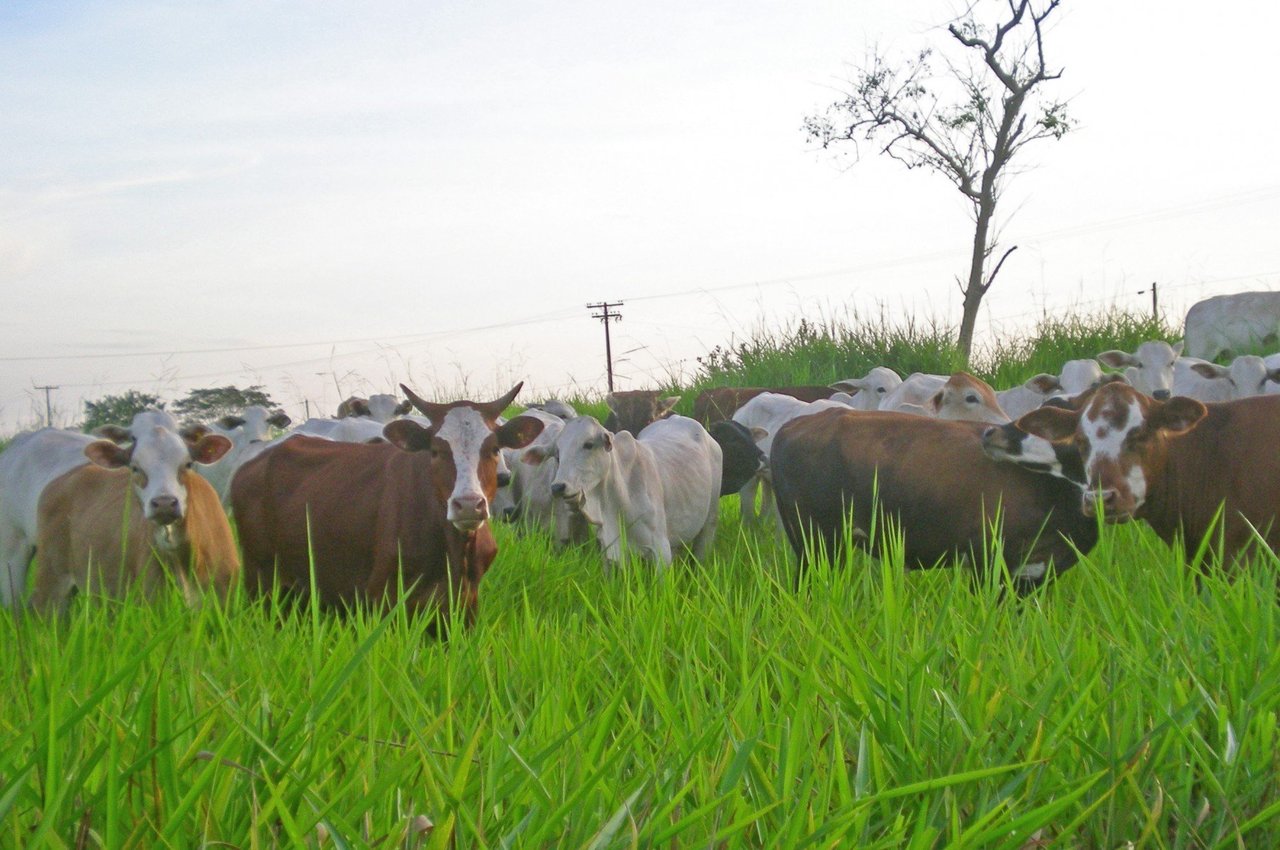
1075,377
834,471
1248,375
365,521
132,516
249,432
1149,369
1227,325
655,494
1176,463
872,389
526,500
381,408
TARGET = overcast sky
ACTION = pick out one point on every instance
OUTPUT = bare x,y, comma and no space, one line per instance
335,197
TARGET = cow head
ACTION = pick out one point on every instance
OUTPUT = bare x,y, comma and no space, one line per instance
741,456
159,458
1247,375
583,449
1120,434
1149,368
464,439
967,398
632,410
870,390
255,423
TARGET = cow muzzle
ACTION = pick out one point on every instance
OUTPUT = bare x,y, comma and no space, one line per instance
1115,507
164,510
468,513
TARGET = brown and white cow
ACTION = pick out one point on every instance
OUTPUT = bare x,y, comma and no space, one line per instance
134,516
1176,463
967,399
372,519
933,479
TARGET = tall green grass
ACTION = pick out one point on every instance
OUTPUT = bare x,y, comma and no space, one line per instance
711,705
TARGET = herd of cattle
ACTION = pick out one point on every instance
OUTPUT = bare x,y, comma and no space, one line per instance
383,504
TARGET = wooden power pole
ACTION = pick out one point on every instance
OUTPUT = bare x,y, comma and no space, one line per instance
606,317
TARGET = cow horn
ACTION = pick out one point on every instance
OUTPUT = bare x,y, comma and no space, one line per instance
428,409
493,409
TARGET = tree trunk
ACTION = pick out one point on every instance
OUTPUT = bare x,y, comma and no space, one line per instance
976,286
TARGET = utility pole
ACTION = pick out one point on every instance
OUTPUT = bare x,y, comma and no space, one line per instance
48,407
1155,305
605,316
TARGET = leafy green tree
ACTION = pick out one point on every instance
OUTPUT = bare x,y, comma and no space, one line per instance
208,405
117,409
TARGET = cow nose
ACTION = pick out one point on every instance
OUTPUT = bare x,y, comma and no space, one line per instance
164,509
504,478
1107,498
470,506
1160,395
558,488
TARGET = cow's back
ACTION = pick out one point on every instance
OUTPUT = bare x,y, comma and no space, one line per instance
931,476
689,464
721,402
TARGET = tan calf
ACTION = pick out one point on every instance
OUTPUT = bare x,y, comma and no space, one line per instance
93,536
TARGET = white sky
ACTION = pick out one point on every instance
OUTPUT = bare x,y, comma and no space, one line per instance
345,193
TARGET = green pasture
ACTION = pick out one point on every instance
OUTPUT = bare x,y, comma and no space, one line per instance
727,704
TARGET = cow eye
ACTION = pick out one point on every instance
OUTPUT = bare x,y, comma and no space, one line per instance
189,464
971,399
879,389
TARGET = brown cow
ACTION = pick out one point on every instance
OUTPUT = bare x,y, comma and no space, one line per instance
83,515
1176,463
632,410
720,403
933,479
374,518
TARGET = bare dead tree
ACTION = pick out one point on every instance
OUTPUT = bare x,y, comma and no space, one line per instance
967,124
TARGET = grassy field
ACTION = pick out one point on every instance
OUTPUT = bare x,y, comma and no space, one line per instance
720,705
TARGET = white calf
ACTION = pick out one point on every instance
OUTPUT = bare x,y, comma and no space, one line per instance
655,493
871,389
1149,369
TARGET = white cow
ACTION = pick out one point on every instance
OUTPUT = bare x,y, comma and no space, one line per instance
1149,369
871,389
380,408
656,492
1230,324
1075,377
351,429
556,407
1248,375
763,416
157,452
249,432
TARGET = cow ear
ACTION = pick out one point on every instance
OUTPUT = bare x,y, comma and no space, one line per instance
1177,348
666,406
209,448
612,401
519,432
279,419
758,433
108,455
1177,415
1117,359
934,404
1050,423
534,456
193,433
403,408
407,435
114,433
1273,375
230,421
360,407
1210,370
849,385
1044,383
